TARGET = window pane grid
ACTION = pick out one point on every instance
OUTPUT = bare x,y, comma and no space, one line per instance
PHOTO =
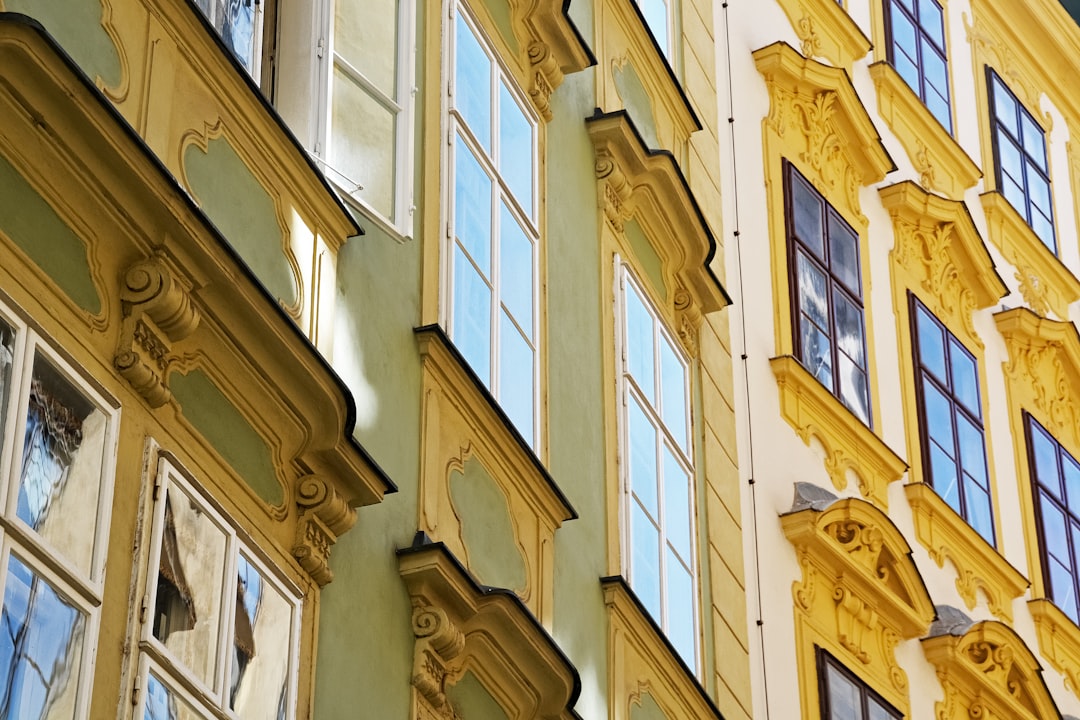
354,75
844,696
916,48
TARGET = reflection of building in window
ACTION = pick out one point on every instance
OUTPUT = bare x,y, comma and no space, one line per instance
845,697
240,25
249,589
174,610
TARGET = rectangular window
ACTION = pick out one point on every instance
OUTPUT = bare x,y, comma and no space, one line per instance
915,32
845,697
223,633
1055,476
658,469
242,26
59,441
658,17
493,253
1022,172
826,289
950,420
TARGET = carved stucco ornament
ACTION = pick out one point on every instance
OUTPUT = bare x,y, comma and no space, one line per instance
438,644
325,515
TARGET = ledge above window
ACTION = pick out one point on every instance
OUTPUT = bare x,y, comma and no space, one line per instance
978,565
826,30
813,411
942,164
1059,640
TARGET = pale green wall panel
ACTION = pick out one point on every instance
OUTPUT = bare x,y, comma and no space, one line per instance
647,710
646,255
636,100
486,528
34,226
76,25
500,13
473,701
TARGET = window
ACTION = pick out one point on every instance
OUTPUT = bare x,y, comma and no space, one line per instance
950,420
369,129
1056,488
916,48
826,293
658,470
493,227
242,26
1022,173
658,17
59,439
845,697
221,634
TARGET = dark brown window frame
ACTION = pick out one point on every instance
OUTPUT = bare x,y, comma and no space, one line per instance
920,66
825,660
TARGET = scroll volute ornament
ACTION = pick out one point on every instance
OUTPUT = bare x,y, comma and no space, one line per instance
324,516
438,644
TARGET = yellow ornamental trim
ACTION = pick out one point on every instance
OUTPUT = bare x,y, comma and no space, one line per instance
1045,283
987,671
553,46
813,411
1059,641
942,164
826,30
978,565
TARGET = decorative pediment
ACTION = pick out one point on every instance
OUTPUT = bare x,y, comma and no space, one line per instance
939,253
987,671
1044,281
817,115
860,586
826,30
553,45
1044,370
649,186
460,625
1059,640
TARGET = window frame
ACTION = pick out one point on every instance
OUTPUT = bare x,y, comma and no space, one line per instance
263,36
629,391
793,245
993,82
921,35
460,134
946,387
825,662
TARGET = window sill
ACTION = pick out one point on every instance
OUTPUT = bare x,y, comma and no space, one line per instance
1059,640
813,411
942,164
1045,283
826,30
979,566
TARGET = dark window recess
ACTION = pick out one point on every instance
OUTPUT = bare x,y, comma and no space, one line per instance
845,697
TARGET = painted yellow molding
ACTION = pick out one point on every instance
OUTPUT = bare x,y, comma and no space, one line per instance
826,30
859,596
1046,284
942,164
978,565
1059,640
553,47
461,626
641,661
648,185
460,421
813,411
988,672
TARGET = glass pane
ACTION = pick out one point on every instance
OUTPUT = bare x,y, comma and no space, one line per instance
677,505
163,704
1005,107
643,467
939,416
817,354
972,449
516,373
366,36
680,609
1072,482
979,514
191,574
362,140
60,476
1062,589
515,150
806,207
645,554
934,72
943,476
843,696
931,344
965,383
1044,228
41,640
262,647
938,104
235,22
471,320
656,17
849,330
472,84
844,254
673,393
1010,159
931,21
472,207
903,32
878,711
1044,452
812,297
853,389
516,271
7,359
639,343
1054,530
1038,191
1034,140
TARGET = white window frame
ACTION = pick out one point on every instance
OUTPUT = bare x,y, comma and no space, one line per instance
155,657
258,33
456,128
624,276
400,225
84,592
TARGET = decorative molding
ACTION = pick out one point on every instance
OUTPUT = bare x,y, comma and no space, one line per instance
942,164
1044,281
978,565
438,644
553,47
826,30
1013,68
813,411
688,319
158,313
1059,640
324,515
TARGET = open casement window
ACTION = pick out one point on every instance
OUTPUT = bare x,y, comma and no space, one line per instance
220,632
658,470
826,294
246,28
368,131
915,32
1021,171
493,231
845,697
1055,475
950,420
58,439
